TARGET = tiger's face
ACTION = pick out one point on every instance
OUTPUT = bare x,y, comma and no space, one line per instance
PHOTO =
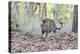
48,25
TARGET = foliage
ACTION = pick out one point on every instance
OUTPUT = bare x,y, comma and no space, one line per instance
64,12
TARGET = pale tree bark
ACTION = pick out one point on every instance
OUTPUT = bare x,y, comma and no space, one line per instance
32,8
43,10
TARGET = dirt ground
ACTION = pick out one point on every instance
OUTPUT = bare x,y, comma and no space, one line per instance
26,43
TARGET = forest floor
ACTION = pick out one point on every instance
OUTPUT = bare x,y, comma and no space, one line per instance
27,43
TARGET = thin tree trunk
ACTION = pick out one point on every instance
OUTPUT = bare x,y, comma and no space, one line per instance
9,8
75,20
42,10
45,10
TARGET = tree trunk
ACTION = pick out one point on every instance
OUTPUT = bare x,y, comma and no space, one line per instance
32,8
9,7
43,10
75,20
